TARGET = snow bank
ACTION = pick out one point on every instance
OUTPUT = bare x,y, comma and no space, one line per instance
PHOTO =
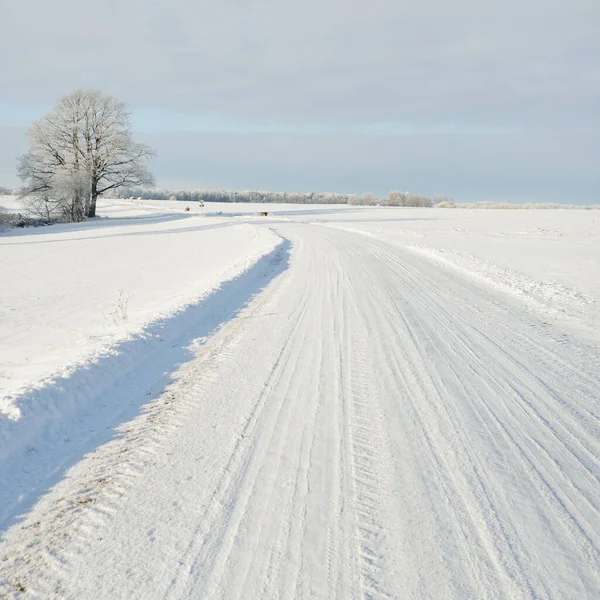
73,296
70,415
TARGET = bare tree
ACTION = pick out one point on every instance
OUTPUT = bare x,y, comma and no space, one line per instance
82,149
408,199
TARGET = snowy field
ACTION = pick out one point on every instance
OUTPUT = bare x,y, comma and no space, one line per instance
71,291
549,258
327,402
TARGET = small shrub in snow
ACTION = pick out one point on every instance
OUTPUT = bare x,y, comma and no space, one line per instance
8,220
120,312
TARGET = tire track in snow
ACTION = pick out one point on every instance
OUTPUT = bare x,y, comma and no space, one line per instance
365,445
573,444
448,345
396,366
209,548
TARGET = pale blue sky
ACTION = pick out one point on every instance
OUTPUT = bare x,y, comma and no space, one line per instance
471,99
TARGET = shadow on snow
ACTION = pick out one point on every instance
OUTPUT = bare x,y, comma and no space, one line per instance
72,416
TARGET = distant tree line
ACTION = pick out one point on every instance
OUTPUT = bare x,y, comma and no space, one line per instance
393,199
408,199
368,199
236,196
4,191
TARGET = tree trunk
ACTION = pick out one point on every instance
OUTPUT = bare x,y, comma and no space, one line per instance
93,197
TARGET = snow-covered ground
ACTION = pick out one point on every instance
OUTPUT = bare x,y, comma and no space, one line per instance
329,402
559,248
69,292
549,258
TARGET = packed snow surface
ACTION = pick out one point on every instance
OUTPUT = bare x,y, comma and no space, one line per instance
327,402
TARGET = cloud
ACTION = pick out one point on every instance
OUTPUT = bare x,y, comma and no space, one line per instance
316,60
485,167
518,67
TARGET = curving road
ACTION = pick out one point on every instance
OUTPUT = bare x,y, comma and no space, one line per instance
371,425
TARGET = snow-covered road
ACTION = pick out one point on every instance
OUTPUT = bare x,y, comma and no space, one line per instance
370,425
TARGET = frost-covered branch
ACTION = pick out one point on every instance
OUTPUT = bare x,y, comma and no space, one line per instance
80,150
